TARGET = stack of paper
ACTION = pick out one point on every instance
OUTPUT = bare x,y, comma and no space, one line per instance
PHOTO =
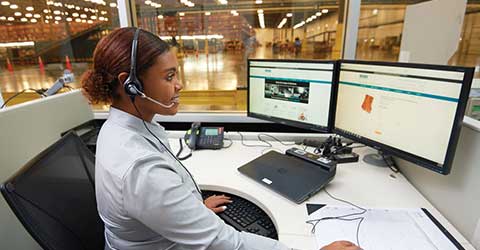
381,229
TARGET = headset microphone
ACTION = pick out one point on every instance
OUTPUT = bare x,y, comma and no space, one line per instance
142,95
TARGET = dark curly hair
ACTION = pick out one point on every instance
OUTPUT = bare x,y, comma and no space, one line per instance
112,57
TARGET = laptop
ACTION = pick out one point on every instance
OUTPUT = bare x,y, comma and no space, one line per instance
289,176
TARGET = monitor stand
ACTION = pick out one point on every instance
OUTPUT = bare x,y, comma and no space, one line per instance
378,159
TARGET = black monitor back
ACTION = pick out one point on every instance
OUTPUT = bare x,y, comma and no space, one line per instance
53,196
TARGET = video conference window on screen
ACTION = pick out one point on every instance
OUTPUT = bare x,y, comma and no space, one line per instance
412,111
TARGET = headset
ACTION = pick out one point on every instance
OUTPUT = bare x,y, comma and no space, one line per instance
133,86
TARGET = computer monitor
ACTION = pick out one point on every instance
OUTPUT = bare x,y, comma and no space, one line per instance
412,111
292,92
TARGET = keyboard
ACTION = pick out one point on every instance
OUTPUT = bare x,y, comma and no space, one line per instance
243,215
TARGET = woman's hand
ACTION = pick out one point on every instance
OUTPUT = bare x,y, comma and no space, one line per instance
215,203
341,245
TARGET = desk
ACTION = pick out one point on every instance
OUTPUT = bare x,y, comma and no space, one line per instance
360,183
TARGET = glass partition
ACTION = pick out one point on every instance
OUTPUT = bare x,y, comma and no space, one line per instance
39,40
213,39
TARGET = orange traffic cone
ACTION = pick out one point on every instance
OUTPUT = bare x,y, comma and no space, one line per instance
68,65
9,65
40,65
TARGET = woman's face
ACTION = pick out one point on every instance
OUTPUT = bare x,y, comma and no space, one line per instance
161,83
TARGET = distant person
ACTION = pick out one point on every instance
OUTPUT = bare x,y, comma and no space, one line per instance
145,197
297,45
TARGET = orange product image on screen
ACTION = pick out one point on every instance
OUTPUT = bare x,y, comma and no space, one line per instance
367,103
302,117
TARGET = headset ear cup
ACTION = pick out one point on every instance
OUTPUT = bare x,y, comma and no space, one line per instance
130,88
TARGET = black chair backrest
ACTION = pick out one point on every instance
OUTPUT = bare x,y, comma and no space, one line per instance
53,196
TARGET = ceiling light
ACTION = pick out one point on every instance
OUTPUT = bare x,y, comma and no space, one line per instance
258,1
11,18
58,18
33,20
5,3
23,19
375,11
75,14
29,15
160,16
69,19
298,25
325,11
289,14
46,21
223,1
93,17
113,5
283,22
57,12
90,21
45,11
261,19
77,8
56,22
148,2
318,13
78,20
17,14
14,6
3,18
207,13
29,8
181,14
83,16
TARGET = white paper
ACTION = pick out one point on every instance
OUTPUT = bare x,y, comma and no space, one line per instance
381,229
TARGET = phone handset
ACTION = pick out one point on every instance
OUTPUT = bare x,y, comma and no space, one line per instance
191,136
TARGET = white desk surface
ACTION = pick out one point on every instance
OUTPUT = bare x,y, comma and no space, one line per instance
360,183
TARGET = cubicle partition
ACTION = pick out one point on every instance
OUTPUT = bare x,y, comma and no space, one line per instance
26,130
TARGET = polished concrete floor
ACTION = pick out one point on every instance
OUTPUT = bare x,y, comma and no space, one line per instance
213,82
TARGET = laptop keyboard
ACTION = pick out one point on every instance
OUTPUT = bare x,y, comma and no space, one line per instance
244,215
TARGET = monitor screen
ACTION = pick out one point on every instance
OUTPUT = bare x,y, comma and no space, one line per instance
408,110
291,92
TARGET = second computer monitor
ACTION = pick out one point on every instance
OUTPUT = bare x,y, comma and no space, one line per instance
291,92
412,111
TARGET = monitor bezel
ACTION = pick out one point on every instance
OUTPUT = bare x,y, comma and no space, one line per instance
309,126
457,122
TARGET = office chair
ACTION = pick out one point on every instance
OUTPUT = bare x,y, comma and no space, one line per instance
53,196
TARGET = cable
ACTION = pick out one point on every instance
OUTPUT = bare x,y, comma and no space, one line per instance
391,164
341,148
144,124
273,137
344,201
229,145
315,222
19,93
247,145
180,151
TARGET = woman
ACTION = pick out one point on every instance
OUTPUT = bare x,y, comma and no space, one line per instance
146,198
